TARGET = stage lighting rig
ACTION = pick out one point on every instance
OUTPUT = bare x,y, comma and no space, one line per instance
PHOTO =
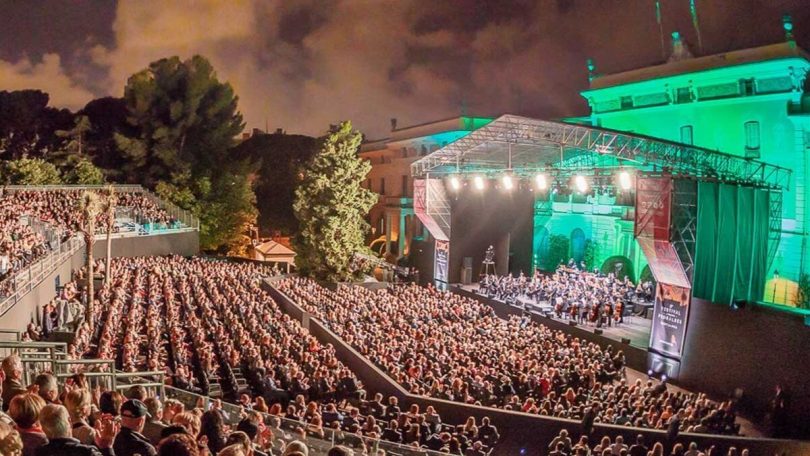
478,181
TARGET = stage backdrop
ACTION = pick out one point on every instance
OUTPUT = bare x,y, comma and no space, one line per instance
731,251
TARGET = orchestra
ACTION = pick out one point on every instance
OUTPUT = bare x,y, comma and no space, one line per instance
586,297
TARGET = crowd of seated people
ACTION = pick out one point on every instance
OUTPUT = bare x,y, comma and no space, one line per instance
199,320
573,293
55,211
447,346
44,419
563,445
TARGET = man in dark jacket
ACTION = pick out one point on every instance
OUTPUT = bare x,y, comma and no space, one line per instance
56,424
588,418
129,440
12,383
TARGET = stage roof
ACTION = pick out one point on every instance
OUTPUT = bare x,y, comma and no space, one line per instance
527,146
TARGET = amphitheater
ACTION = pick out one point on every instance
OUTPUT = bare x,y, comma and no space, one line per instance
312,361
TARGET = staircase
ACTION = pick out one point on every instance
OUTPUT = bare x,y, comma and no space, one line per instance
241,383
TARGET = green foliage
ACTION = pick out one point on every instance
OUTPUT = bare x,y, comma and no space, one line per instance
181,124
591,253
31,171
84,172
803,298
557,252
609,266
331,206
183,117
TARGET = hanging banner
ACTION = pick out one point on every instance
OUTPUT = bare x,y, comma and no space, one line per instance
653,204
669,319
441,262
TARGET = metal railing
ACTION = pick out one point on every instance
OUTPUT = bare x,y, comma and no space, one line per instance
24,280
286,430
186,218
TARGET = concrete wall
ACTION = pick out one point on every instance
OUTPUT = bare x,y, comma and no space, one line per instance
520,432
753,348
186,243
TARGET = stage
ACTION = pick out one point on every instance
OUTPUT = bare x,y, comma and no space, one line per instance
635,328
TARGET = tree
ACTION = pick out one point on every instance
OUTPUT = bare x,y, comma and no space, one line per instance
28,125
109,203
331,206
182,123
90,206
31,171
84,172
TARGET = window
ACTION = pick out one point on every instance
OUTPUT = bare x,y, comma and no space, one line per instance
747,87
404,152
627,102
382,186
752,139
424,150
686,135
405,187
683,95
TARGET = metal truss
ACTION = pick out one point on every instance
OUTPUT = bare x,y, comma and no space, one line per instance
524,145
432,206
684,223
774,224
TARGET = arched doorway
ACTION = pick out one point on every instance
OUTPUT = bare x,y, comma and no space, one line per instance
578,242
619,265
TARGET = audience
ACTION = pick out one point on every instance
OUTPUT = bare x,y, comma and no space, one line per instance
447,346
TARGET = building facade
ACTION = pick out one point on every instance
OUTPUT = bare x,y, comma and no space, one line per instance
751,103
393,222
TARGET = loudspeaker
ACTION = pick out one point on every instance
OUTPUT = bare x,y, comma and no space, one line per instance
572,322
597,331
625,341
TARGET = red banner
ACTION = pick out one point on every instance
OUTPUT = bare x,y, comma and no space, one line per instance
653,205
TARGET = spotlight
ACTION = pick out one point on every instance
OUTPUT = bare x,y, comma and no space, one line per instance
455,184
625,180
581,183
541,182
649,373
508,184
664,378
479,182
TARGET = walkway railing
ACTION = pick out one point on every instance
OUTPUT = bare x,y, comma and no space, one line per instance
185,217
14,287
286,430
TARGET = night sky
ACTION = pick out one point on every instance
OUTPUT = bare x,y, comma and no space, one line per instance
302,64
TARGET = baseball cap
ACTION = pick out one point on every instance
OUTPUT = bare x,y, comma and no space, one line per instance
134,408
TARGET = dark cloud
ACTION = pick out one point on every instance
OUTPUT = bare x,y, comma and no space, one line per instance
305,64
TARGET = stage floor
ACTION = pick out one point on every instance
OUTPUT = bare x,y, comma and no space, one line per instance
636,329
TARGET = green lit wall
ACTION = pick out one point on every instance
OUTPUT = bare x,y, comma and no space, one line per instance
717,104
606,228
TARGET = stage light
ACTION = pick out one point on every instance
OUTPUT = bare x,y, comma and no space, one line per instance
508,184
479,182
581,183
664,378
541,182
625,180
455,184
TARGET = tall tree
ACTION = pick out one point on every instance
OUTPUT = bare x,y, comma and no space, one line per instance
31,171
90,206
183,122
331,206
28,124
110,200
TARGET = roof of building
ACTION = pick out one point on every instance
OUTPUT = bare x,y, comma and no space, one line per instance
709,62
273,248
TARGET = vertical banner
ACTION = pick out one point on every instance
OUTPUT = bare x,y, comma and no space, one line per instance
653,207
670,316
441,260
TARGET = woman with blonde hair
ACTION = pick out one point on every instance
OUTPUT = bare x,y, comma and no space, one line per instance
24,410
10,441
188,420
78,403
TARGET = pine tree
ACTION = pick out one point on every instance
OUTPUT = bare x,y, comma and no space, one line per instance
331,206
